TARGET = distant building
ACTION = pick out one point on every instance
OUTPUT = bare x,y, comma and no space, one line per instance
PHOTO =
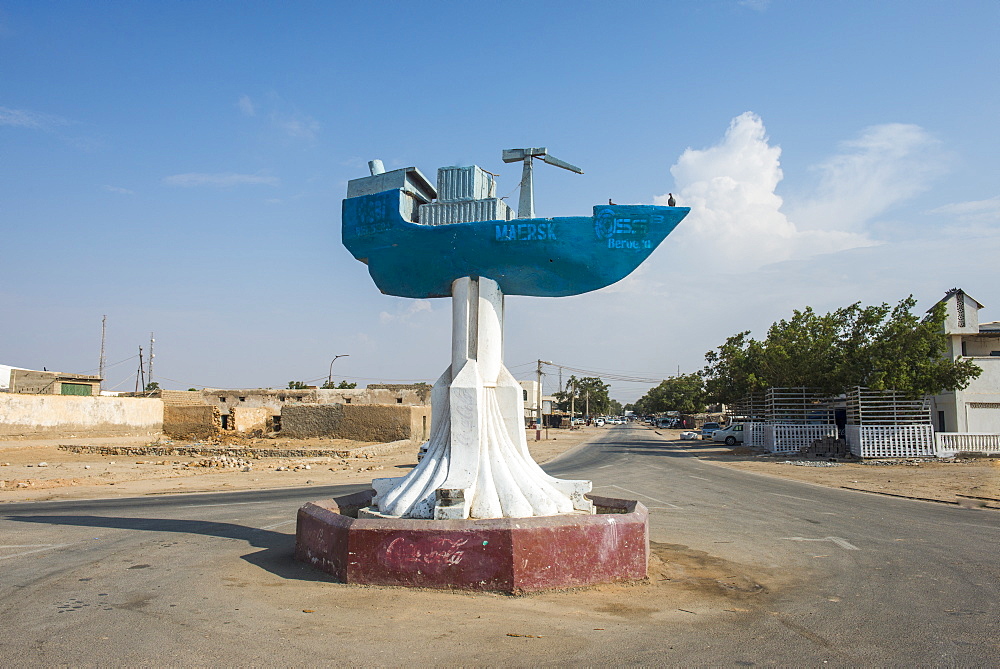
975,409
34,382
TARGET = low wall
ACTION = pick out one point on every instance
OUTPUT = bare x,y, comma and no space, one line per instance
360,422
950,444
55,416
191,422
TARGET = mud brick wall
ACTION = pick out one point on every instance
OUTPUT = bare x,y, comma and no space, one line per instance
247,419
181,398
191,422
360,422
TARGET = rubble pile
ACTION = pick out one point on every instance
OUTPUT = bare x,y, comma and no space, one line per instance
222,462
827,447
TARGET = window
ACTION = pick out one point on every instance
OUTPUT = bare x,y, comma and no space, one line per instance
222,399
347,400
525,394
243,399
399,400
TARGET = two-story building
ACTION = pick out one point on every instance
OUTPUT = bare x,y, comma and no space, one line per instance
975,409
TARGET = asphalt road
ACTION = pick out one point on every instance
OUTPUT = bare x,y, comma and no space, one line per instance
756,571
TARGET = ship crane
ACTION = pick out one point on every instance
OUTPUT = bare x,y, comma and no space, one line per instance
526,203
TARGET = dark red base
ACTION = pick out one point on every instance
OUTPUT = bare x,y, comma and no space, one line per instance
509,555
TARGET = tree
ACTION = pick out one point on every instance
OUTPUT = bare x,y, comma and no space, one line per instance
151,386
587,389
685,394
881,347
343,385
296,385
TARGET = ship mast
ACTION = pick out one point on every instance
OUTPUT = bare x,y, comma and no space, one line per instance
526,203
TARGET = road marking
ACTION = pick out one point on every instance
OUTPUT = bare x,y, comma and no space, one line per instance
44,547
605,466
803,499
192,506
659,501
843,543
700,478
271,527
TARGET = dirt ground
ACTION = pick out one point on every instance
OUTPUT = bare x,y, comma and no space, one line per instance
40,470
973,482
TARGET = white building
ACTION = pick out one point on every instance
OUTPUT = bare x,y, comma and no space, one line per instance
977,408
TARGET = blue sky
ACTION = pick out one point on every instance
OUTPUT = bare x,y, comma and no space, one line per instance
179,167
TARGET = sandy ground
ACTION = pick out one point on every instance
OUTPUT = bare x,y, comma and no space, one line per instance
973,482
40,470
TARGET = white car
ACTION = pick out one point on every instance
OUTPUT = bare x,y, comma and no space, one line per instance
732,435
599,422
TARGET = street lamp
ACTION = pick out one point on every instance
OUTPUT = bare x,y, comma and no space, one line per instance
329,378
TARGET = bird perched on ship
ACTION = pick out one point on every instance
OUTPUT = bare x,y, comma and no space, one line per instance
610,202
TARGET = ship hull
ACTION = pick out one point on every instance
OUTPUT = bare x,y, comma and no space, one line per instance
542,257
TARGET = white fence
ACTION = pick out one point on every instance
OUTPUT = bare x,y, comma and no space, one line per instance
753,435
949,443
891,441
781,438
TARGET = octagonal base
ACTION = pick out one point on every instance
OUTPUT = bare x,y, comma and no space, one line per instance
510,555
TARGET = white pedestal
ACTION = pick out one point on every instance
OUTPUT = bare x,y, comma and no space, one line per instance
477,463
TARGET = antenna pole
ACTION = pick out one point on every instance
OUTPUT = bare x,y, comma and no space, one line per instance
100,365
149,377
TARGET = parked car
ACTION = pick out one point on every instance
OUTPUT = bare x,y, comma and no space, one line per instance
599,422
665,423
732,435
708,429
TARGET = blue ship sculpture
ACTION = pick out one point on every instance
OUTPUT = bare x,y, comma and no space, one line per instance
417,247
461,241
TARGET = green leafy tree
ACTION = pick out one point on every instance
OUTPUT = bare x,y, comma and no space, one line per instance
586,389
151,386
685,393
296,385
343,385
882,347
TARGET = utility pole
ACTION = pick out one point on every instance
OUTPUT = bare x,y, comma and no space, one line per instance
538,401
140,375
572,405
588,403
100,365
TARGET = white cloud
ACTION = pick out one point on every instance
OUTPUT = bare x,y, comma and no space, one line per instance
23,118
220,180
413,307
736,216
119,189
885,166
246,106
297,125
971,215
757,5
